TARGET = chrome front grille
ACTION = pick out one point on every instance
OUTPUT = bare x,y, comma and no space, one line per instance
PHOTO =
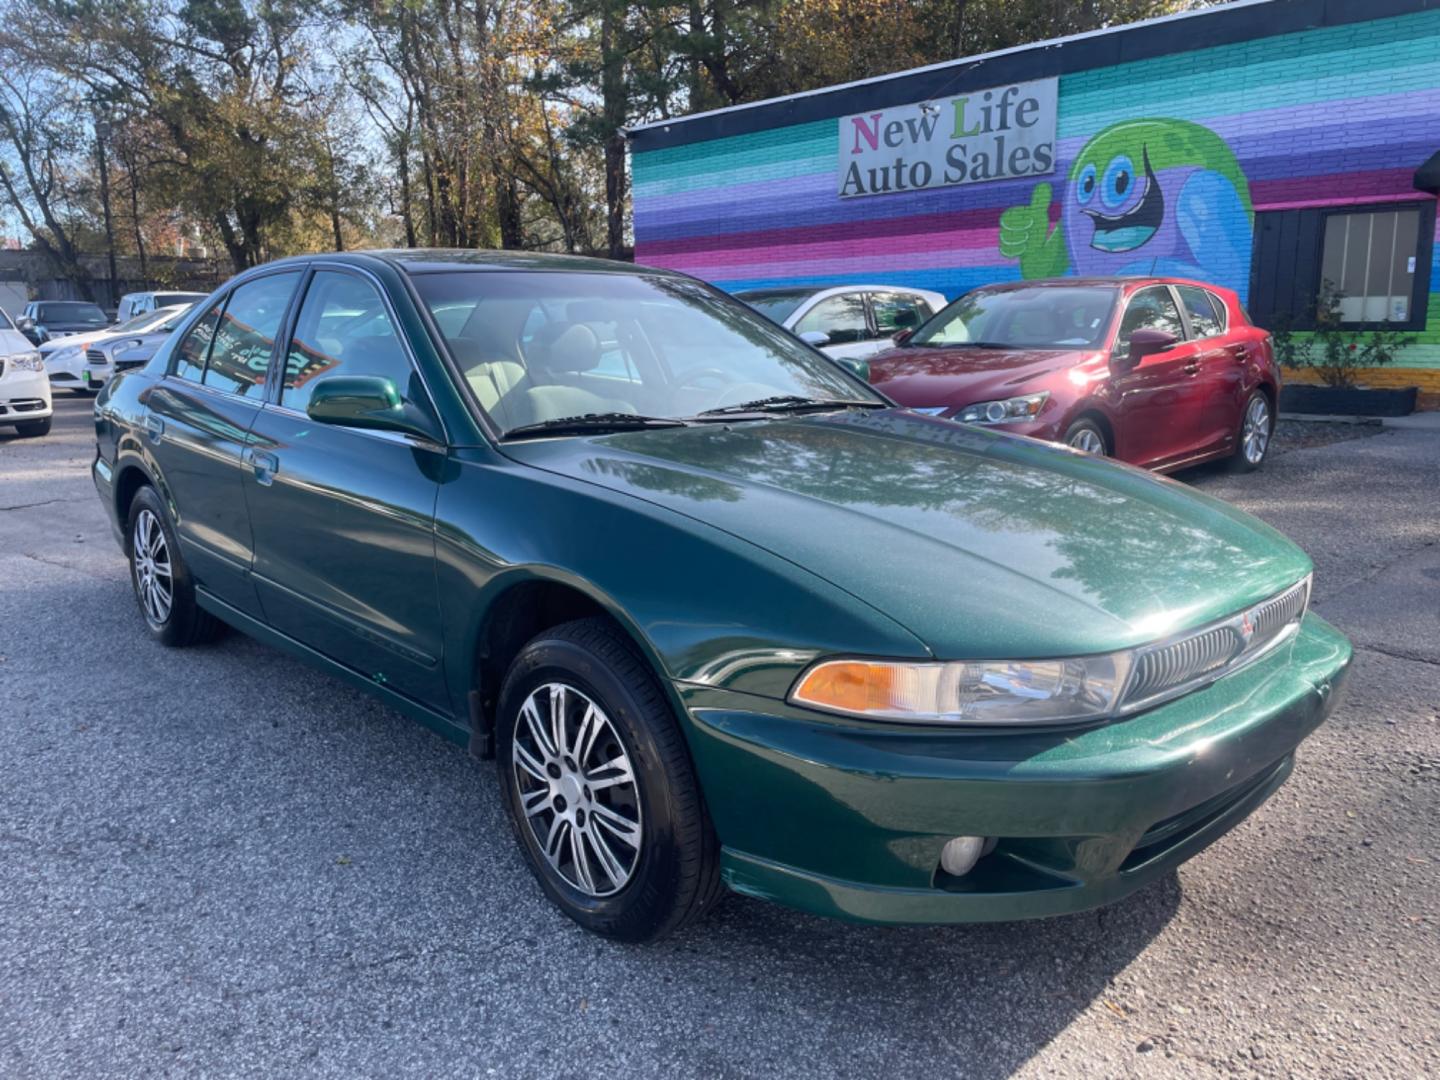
94,357
1170,668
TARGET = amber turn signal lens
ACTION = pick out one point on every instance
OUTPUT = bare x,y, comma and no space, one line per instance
852,686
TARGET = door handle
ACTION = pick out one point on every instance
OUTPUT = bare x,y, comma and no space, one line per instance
154,426
1192,368
266,465
1239,352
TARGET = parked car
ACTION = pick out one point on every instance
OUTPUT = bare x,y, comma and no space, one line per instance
1158,372
24,390
849,322
141,303
112,357
721,613
47,320
69,363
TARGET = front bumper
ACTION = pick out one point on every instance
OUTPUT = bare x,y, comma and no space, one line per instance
24,395
848,819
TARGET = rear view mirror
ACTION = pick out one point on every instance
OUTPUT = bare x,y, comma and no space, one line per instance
815,337
1145,343
369,402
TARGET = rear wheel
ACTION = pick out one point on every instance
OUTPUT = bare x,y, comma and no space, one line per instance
30,429
1086,436
164,589
1257,425
600,788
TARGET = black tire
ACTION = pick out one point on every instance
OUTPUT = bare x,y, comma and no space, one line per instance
183,622
1086,430
33,429
675,874
1244,460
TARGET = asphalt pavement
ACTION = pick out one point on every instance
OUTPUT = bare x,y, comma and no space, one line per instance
219,862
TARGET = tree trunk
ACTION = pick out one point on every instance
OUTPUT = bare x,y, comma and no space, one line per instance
614,107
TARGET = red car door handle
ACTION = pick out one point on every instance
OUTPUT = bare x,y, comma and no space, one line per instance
1192,368
1240,352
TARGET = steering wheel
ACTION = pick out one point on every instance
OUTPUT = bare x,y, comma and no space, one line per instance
691,375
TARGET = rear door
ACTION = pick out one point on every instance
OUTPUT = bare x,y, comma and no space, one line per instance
197,427
1221,377
343,518
1158,399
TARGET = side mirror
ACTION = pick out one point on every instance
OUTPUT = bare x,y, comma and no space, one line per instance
815,337
125,362
902,336
24,322
370,402
1145,343
855,366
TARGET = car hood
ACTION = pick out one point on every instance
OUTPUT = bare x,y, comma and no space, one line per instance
929,378
980,543
89,337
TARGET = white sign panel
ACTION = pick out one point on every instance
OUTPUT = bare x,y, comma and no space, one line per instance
996,134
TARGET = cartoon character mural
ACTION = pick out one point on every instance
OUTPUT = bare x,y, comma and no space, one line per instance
1142,197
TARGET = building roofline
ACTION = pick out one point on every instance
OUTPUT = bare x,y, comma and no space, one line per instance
1185,31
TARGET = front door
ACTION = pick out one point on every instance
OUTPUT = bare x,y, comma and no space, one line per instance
1158,399
198,424
343,518
843,320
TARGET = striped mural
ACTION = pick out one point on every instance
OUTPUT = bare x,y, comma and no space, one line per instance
1324,117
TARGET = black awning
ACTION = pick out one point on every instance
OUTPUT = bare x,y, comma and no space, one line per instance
1427,177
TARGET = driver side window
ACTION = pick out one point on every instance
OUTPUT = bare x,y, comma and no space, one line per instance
842,317
1150,309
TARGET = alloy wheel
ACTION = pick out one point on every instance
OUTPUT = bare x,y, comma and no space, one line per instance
1256,434
1088,441
577,790
153,576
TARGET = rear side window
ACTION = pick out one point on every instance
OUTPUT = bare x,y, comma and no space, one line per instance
245,337
841,317
1199,306
343,329
192,352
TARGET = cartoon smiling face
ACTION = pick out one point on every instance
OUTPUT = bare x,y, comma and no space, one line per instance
1125,200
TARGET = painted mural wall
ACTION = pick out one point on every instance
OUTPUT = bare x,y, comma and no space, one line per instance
1161,167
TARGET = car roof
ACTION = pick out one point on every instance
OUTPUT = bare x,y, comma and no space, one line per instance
1122,281
438,260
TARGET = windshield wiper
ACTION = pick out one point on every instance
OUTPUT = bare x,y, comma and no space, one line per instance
790,403
593,422
977,345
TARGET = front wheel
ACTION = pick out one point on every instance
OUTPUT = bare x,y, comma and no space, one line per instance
1257,425
1085,435
31,429
600,788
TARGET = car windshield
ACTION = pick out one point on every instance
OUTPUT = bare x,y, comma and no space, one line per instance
543,346
139,322
1048,317
776,304
72,313
5,323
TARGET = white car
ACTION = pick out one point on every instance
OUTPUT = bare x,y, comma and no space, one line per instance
65,359
24,390
847,322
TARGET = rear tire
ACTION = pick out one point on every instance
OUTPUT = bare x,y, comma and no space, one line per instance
163,587
604,801
1087,436
32,429
1257,427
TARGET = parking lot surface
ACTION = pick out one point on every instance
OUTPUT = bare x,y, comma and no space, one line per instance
219,862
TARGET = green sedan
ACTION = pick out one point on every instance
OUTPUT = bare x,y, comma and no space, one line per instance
722,614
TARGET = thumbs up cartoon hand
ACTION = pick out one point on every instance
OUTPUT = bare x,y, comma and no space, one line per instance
1025,235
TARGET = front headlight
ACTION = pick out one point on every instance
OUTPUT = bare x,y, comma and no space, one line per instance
1009,411
968,692
25,361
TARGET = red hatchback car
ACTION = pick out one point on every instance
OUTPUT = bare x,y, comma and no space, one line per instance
1159,372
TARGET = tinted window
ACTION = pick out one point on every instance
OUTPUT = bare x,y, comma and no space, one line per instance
1038,317
71,313
897,311
246,335
1150,309
842,317
191,353
343,329
1202,313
